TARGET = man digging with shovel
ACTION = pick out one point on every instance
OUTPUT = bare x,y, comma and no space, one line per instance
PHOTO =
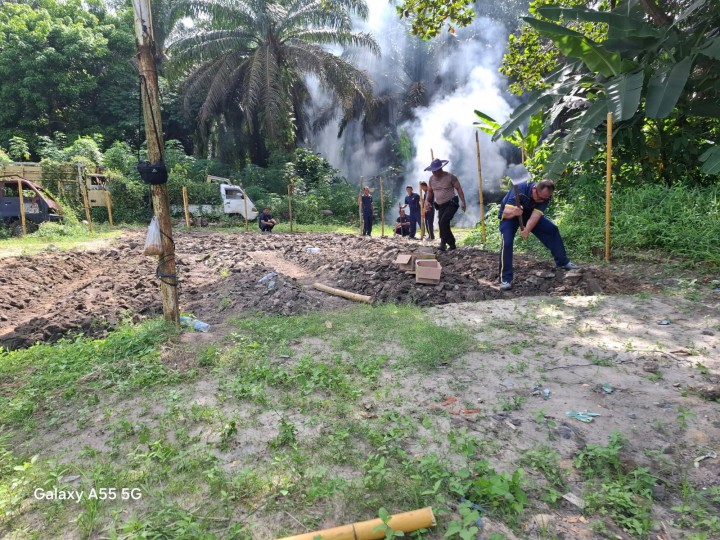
523,208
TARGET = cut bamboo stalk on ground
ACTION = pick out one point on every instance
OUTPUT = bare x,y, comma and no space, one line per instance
373,529
345,294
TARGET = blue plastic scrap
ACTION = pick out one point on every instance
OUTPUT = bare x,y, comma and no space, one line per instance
607,388
583,416
267,276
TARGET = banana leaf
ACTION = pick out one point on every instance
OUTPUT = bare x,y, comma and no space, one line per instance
665,88
624,94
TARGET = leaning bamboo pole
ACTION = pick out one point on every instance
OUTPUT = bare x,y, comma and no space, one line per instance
22,207
607,186
480,189
422,212
290,205
373,529
185,207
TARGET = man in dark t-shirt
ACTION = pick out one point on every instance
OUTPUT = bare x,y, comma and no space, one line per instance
366,204
402,224
534,199
412,203
266,221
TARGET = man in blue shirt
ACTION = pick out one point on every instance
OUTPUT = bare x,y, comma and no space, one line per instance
402,225
266,221
534,199
412,202
366,202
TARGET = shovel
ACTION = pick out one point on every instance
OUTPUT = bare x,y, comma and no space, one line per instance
517,175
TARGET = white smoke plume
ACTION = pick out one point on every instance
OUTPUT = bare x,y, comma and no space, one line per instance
461,76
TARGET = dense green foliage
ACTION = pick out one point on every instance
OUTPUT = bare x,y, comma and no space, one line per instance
65,67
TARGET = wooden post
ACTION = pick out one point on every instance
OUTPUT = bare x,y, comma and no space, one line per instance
247,226
185,207
290,205
607,187
86,202
382,210
522,150
22,207
362,182
432,154
156,153
480,186
108,203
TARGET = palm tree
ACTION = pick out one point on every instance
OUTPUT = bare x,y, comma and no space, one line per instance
250,61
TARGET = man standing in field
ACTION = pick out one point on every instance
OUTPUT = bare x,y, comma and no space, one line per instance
366,202
441,193
412,203
534,199
429,214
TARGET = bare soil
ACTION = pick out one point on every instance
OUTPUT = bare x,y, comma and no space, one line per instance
55,293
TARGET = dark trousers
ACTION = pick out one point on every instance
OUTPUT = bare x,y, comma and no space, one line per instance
414,222
429,223
367,224
445,214
545,231
266,228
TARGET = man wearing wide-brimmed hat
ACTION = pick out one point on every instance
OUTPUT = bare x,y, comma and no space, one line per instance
441,193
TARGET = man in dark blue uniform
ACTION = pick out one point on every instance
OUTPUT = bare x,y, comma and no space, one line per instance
534,199
412,203
266,221
366,202
402,224
429,213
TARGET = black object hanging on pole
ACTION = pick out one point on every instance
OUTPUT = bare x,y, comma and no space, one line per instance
153,173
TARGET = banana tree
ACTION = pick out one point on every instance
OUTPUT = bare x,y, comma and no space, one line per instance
527,142
639,72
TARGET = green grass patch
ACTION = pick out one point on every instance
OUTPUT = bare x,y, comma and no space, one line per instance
63,237
43,376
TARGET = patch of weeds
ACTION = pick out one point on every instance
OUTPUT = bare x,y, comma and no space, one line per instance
501,493
683,415
227,435
624,496
518,367
208,357
287,435
513,403
698,510
545,460
702,368
465,528
654,377
224,272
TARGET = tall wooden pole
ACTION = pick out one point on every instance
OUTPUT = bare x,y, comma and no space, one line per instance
185,207
247,226
480,185
382,210
108,203
156,152
607,186
86,201
290,205
22,207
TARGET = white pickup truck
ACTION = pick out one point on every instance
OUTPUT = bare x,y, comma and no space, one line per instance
234,202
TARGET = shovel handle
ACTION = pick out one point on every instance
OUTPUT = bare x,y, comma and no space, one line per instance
517,200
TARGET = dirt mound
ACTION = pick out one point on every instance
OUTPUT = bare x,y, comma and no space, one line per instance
53,294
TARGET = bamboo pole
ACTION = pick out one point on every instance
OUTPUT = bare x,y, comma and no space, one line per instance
150,95
290,205
86,202
22,207
480,190
382,210
185,207
373,529
522,150
432,154
345,294
607,187
247,226
108,203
